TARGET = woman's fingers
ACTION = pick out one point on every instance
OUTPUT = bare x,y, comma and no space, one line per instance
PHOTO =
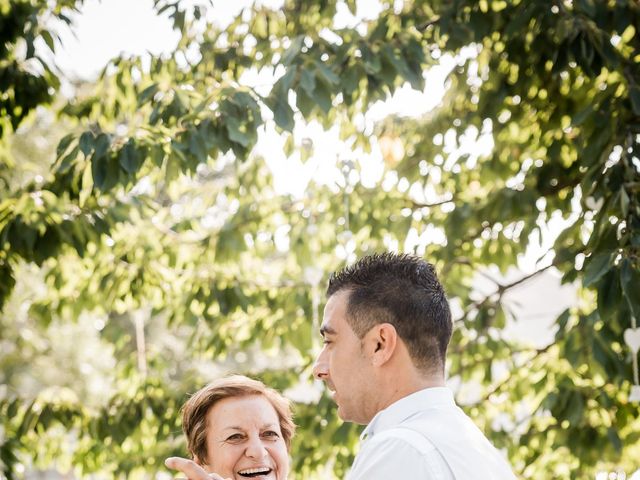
191,469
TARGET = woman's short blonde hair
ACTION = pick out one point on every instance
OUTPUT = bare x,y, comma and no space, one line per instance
194,411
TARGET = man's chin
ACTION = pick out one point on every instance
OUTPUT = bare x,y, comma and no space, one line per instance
346,416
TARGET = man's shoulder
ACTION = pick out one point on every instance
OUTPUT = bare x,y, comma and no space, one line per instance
402,438
399,453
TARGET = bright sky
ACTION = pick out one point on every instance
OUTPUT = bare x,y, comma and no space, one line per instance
106,29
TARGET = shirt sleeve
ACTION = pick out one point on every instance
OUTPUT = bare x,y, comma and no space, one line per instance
384,458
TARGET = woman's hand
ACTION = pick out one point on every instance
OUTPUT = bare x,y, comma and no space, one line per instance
191,469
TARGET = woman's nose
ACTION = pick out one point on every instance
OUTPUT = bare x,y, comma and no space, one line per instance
255,449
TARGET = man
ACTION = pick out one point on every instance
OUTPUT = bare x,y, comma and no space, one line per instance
386,328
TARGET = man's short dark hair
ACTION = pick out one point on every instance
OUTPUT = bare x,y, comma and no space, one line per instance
402,290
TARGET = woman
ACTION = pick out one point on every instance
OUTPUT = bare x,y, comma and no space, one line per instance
236,428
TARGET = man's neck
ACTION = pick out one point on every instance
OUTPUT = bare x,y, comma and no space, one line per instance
398,385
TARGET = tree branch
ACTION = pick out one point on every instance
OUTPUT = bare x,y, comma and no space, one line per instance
423,26
501,290
508,378
429,205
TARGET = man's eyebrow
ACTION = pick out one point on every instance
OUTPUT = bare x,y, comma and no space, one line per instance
327,330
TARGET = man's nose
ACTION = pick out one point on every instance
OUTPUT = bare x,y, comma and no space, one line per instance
320,370
256,449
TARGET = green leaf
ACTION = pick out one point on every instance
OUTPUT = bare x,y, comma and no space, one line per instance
63,145
634,95
630,282
326,73
624,202
614,438
7,211
400,65
587,6
31,49
282,112
575,408
372,63
147,94
308,81
86,143
66,162
582,115
293,50
387,73
237,135
596,267
48,39
601,354
260,27
129,157
304,103
198,146
99,170
350,79
178,19
609,294
158,155
113,173
101,145
245,100
172,166
283,84
322,96
562,321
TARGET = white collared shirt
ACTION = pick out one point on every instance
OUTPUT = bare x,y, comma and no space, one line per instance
426,436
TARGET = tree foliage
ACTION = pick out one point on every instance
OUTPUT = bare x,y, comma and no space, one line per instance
158,221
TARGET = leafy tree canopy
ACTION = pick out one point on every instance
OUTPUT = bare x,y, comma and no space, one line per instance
154,232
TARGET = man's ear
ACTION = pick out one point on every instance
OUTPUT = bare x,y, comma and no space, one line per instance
382,343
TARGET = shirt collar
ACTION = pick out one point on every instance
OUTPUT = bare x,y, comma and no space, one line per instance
407,407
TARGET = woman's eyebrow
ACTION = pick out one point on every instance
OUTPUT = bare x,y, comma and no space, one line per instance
232,427
265,425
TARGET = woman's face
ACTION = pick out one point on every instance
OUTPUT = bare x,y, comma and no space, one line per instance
244,440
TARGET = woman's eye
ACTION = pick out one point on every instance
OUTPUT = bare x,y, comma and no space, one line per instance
271,433
235,436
